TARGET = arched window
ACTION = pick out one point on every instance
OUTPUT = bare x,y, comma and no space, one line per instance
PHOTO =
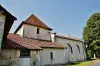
70,48
78,48
51,55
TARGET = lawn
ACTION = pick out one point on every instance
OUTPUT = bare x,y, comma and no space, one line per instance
85,63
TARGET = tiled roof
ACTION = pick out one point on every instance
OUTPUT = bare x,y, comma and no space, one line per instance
15,41
70,38
33,20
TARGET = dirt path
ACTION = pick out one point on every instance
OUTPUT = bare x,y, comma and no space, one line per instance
95,63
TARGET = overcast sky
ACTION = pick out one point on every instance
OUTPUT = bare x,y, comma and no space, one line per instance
63,16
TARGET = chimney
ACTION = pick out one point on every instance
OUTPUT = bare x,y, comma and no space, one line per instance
53,34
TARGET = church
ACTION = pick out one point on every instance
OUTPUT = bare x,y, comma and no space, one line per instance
34,44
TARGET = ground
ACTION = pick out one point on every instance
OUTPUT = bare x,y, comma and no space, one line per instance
95,63
85,63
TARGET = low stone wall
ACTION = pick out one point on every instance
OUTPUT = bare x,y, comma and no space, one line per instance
11,57
4,62
13,62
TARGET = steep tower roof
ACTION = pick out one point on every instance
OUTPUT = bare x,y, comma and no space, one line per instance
33,20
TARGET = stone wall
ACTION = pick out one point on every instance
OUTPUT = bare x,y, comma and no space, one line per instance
58,56
34,58
2,23
31,32
9,57
76,55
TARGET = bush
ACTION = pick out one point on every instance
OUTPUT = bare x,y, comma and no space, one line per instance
98,52
90,52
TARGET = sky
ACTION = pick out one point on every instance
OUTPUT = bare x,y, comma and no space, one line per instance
63,16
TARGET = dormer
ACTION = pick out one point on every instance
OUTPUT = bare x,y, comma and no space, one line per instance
34,28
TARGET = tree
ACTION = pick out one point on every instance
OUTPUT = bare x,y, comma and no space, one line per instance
95,47
91,32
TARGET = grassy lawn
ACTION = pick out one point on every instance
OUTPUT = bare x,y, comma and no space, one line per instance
85,63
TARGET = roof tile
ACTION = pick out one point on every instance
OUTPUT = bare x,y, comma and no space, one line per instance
33,20
16,41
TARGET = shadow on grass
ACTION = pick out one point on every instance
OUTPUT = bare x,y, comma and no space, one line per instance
78,62
73,63
92,59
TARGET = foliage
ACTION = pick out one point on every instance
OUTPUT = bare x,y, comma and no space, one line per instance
91,32
96,43
90,54
95,47
92,25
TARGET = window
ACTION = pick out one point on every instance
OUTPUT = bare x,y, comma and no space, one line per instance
78,48
51,55
24,53
38,30
70,48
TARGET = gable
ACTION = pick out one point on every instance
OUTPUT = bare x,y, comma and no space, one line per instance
33,20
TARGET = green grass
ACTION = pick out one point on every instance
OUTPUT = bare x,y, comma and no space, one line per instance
85,63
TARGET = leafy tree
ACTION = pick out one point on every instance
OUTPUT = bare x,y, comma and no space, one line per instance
95,47
91,32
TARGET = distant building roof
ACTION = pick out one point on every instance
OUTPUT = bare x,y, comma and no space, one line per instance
33,20
70,38
15,41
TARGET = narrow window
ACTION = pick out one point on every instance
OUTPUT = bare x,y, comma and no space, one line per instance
51,55
70,48
38,30
78,48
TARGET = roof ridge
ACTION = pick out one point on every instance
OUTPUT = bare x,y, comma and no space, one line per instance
73,38
34,20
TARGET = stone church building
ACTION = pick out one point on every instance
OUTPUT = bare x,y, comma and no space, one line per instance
34,44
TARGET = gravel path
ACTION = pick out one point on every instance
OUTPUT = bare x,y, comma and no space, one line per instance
95,63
